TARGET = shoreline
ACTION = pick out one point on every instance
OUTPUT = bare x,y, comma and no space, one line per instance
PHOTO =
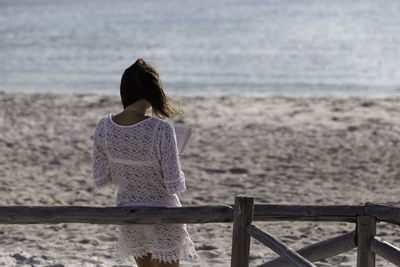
190,94
281,150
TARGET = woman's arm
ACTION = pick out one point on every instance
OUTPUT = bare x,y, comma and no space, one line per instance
174,178
101,172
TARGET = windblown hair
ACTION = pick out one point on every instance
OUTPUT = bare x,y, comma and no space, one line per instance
141,81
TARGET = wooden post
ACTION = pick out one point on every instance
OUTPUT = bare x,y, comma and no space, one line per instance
242,216
366,230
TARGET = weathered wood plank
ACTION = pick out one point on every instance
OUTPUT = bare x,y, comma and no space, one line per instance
122,215
278,246
366,229
113,215
384,212
386,250
243,215
319,251
343,213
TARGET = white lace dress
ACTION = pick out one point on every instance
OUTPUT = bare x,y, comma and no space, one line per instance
142,162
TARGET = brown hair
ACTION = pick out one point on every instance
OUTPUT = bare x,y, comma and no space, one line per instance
141,81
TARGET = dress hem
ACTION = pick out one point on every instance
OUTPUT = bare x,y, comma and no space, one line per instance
176,256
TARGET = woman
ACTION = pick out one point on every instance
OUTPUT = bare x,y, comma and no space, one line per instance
138,154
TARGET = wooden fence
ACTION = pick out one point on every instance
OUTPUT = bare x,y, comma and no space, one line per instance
364,216
242,214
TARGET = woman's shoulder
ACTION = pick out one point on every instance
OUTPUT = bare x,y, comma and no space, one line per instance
157,122
163,128
102,120
162,123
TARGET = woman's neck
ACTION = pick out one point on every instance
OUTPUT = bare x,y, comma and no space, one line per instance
139,106
132,113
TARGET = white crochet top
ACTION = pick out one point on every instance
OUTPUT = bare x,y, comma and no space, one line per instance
141,160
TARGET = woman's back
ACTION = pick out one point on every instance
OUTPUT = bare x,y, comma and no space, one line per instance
142,161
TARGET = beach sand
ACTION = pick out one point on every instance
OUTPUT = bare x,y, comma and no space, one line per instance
280,150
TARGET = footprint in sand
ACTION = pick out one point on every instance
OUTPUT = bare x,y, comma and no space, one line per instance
206,247
211,171
238,170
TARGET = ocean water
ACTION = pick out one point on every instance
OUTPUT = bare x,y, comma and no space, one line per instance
273,47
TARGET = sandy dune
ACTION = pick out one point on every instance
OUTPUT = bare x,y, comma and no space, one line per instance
279,150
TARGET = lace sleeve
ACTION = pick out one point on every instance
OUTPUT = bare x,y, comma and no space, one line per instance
101,173
173,176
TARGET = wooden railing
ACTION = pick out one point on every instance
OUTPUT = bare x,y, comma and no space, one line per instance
243,213
365,217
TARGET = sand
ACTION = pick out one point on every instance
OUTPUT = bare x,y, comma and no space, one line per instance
280,150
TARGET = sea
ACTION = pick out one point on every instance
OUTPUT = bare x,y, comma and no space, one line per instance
250,47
